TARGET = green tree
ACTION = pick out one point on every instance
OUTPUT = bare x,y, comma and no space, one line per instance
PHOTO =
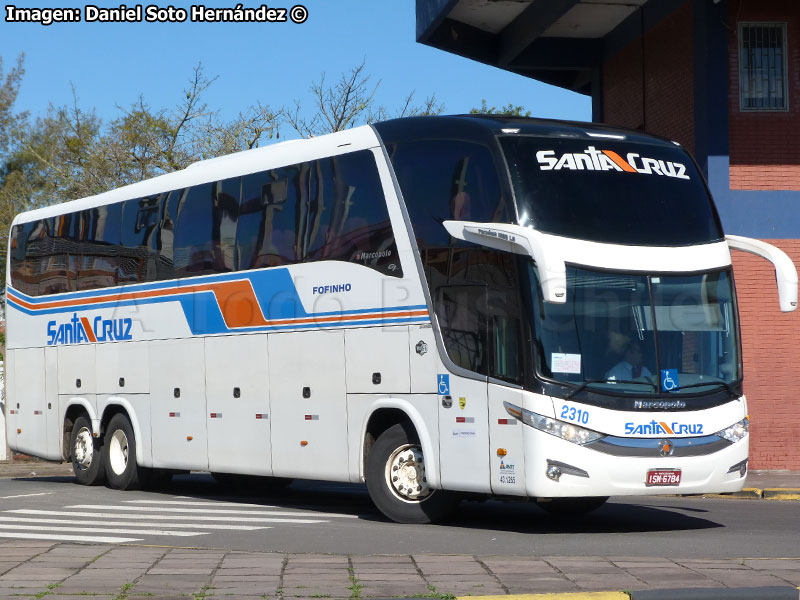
509,110
69,152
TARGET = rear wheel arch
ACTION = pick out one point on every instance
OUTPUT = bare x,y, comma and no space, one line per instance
122,406
75,409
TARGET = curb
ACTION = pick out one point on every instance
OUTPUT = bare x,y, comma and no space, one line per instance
559,596
761,593
781,494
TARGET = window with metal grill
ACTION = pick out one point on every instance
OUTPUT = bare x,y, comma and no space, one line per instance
763,83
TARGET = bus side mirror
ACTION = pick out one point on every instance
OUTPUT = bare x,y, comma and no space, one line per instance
519,240
785,271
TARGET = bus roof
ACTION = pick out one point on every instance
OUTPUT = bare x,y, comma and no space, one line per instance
220,168
476,128
483,127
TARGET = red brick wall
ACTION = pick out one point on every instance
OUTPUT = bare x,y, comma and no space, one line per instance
764,147
771,354
664,104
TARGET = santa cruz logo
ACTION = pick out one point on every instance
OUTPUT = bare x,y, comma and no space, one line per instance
80,329
662,428
593,159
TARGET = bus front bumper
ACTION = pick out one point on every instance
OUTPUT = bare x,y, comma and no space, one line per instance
557,468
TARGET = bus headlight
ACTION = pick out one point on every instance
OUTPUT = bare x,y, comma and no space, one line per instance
566,431
735,432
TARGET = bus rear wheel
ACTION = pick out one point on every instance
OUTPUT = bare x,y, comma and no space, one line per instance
87,455
122,472
571,506
397,481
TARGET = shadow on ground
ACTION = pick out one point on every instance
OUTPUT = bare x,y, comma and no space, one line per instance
616,516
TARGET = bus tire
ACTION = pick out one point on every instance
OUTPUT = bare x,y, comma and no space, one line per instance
86,452
571,506
122,472
396,479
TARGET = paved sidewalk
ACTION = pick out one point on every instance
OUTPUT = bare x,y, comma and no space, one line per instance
63,570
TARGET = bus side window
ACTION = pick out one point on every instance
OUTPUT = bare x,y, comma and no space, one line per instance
165,237
20,268
60,255
462,314
99,247
138,259
205,228
359,229
265,234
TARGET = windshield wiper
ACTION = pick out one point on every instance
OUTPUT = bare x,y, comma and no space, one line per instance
724,384
588,382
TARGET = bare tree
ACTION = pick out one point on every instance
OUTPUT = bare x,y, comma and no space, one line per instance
338,106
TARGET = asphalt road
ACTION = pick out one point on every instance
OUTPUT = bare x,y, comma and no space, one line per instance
195,511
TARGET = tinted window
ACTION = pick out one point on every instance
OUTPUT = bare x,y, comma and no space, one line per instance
349,217
476,296
330,209
21,266
205,227
266,235
139,256
98,245
611,191
60,254
448,180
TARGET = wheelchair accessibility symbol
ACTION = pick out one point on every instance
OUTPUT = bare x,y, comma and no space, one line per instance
669,379
443,385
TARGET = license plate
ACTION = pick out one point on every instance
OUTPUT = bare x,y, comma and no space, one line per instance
663,477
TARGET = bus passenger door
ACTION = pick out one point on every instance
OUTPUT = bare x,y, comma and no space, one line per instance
178,404
237,400
309,408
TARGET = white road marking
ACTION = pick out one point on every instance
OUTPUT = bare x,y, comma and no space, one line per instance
207,503
26,495
103,530
69,538
272,513
100,515
127,524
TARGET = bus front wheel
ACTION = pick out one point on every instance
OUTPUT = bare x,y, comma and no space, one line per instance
397,481
87,456
122,472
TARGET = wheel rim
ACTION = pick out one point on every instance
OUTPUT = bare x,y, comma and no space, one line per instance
405,474
118,452
83,452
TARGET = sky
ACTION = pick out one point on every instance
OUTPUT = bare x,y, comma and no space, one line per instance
111,64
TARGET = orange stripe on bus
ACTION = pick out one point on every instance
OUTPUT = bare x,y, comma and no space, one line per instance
621,163
88,329
237,302
667,428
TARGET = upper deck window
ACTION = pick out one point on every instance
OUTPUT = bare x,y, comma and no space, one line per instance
448,180
763,82
610,191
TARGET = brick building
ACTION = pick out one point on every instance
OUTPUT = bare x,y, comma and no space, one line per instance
722,77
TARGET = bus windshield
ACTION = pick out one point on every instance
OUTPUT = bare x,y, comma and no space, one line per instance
623,333
610,191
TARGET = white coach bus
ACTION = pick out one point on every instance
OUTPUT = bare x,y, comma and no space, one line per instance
434,306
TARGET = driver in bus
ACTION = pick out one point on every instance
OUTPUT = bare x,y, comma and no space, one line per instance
630,367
